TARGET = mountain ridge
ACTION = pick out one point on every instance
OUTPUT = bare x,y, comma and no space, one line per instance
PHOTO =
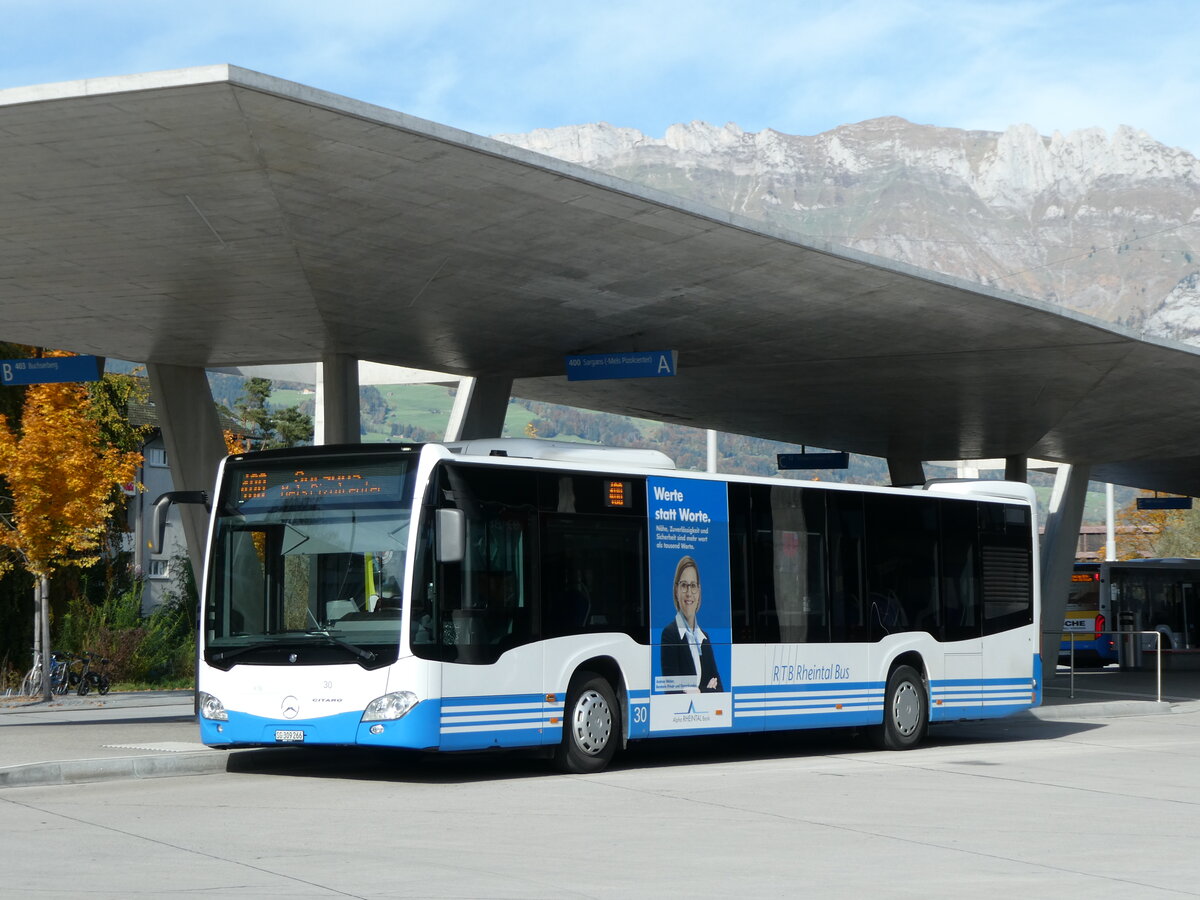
1098,223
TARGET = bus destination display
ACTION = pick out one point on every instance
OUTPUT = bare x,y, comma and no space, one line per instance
318,487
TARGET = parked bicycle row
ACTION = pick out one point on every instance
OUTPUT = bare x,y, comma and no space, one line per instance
78,672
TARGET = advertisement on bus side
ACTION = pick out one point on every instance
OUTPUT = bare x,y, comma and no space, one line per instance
690,618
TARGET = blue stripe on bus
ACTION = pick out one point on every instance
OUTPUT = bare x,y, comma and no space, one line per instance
516,720
982,698
510,720
820,705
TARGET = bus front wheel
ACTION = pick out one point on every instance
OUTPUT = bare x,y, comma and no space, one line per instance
591,726
905,711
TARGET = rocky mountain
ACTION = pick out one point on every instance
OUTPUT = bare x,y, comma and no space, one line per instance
1108,225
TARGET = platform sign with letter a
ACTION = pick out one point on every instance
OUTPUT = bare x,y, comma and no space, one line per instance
630,364
49,370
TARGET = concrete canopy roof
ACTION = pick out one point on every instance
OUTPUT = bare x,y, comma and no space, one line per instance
219,217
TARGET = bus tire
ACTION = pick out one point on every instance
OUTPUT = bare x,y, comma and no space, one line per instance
591,726
905,711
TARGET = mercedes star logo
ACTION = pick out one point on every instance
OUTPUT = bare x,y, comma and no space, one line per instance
290,707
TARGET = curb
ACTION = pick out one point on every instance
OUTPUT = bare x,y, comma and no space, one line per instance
82,771
1106,709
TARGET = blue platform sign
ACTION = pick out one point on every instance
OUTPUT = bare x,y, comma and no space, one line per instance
1164,502
838,460
49,370
628,364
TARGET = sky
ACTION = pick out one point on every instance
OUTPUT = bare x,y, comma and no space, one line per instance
799,67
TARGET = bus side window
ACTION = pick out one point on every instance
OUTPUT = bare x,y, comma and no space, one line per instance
959,571
847,535
902,536
593,575
1004,537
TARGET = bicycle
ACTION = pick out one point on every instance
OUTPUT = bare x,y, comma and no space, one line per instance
60,671
60,663
31,684
89,678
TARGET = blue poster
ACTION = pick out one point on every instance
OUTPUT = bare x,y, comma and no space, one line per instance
689,605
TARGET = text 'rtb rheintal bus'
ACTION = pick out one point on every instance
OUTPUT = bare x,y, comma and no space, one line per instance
523,593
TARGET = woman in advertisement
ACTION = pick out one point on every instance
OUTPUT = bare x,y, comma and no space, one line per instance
686,652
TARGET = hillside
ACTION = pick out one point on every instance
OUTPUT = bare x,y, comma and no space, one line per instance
1101,224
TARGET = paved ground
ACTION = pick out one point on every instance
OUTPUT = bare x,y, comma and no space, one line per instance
95,738
151,734
1093,798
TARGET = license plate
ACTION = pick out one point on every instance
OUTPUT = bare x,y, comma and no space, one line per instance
289,736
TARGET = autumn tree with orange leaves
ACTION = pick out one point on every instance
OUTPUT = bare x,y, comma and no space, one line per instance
61,479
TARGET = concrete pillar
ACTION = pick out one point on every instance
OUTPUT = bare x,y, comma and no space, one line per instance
337,401
1058,556
479,408
1110,524
193,441
905,472
1016,468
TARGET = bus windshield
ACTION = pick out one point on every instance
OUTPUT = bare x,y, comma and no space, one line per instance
308,561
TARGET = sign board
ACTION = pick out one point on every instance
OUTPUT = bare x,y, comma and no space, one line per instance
691,658
1164,502
49,370
630,364
813,460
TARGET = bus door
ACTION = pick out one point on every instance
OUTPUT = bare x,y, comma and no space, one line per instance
485,621
592,581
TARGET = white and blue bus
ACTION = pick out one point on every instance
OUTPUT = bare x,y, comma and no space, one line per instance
536,594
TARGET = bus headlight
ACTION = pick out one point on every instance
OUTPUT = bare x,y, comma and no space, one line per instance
212,708
390,706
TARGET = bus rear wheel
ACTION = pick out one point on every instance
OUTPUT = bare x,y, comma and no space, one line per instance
591,726
905,711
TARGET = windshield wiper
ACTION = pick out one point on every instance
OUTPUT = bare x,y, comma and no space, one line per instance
346,645
238,651
222,655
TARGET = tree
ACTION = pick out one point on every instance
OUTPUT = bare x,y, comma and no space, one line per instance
63,485
15,586
251,409
292,427
1157,533
1181,537
108,405
268,430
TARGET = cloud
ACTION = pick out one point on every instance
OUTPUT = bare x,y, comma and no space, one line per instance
798,67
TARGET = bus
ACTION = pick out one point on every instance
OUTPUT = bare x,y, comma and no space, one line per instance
1161,595
519,593
1086,639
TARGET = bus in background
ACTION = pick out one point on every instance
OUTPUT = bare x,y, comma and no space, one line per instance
1160,595
1156,595
1086,637
536,594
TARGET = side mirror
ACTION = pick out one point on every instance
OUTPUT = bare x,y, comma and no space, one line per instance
450,535
163,505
